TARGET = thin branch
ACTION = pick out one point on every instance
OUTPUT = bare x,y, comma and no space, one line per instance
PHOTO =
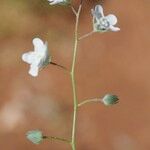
73,10
89,101
56,138
86,35
52,63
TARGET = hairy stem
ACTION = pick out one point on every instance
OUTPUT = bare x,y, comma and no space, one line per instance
72,74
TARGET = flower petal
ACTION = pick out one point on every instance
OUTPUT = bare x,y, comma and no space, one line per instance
98,12
112,19
99,9
28,57
115,29
39,46
34,70
53,2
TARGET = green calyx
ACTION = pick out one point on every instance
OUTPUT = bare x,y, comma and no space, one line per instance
110,99
35,136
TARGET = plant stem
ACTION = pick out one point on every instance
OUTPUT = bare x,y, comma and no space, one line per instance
86,35
56,138
52,63
73,10
89,101
72,74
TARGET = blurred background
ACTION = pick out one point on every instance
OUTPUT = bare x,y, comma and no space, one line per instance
117,63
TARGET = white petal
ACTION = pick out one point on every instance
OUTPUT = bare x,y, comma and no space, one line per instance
115,29
53,2
28,57
34,70
99,11
37,41
112,19
38,45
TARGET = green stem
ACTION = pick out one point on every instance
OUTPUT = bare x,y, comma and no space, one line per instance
72,74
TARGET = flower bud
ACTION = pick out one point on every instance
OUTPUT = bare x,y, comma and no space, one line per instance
35,136
110,99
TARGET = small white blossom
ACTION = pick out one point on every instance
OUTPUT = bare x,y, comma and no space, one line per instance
54,2
37,58
103,23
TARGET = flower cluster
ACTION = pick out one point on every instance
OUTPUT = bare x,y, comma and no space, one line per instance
39,58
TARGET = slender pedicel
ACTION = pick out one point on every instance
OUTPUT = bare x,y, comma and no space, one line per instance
52,63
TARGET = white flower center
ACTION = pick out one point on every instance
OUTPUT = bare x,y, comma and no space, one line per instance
103,23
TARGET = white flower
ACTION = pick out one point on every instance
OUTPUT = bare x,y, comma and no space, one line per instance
103,23
37,58
54,2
